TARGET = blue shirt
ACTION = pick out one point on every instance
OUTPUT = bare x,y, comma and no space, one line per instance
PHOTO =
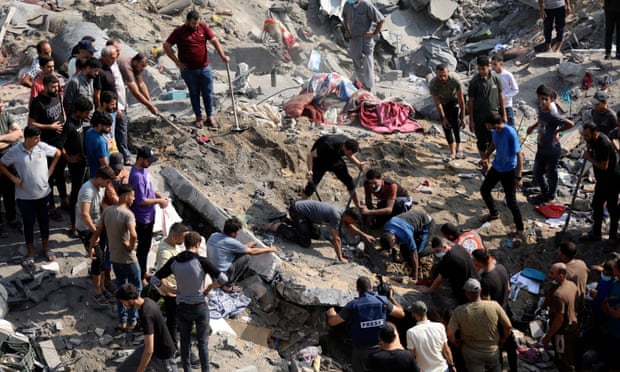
223,249
613,325
96,147
548,124
506,149
403,231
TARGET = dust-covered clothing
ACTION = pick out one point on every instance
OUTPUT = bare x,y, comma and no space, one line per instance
478,322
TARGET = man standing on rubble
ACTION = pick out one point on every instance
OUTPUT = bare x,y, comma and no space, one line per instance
447,91
10,134
485,97
365,317
131,69
506,168
359,16
563,328
511,88
602,155
193,62
554,11
327,155
576,271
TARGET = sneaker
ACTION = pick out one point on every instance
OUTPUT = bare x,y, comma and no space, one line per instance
101,300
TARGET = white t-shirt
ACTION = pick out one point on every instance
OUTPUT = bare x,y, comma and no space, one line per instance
428,338
511,88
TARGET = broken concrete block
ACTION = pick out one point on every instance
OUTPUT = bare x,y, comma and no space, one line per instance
99,331
442,10
248,369
50,355
77,269
418,5
392,75
105,340
255,55
175,7
546,59
571,72
261,293
75,340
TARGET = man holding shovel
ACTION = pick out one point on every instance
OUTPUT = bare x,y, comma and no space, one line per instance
193,62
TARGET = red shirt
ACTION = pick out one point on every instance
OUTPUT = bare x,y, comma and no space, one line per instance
192,44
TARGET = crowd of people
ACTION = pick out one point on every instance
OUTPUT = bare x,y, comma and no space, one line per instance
80,125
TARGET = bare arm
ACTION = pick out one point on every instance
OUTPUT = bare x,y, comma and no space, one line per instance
333,319
133,236
554,326
447,353
472,123
218,47
13,135
85,213
140,91
397,311
461,99
256,251
436,283
337,243
170,53
149,347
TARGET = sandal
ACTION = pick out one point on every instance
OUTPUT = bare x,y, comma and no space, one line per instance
448,159
212,123
199,124
101,300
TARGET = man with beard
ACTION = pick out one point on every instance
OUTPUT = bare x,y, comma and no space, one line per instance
105,80
447,91
604,161
107,106
95,143
193,62
46,113
131,69
81,84
120,133
46,64
485,97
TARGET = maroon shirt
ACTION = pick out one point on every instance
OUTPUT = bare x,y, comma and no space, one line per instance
192,44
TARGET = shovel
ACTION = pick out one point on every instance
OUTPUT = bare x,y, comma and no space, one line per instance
176,141
237,128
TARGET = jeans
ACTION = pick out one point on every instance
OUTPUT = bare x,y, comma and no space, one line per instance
77,171
300,232
605,191
127,273
7,191
145,237
188,314
508,182
31,210
546,171
120,135
199,82
612,23
453,132
510,115
557,15
158,365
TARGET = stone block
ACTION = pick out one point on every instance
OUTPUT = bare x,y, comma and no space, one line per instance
392,75
546,59
248,369
50,355
442,10
255,55
261,293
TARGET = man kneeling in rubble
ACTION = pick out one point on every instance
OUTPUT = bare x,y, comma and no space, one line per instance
305,213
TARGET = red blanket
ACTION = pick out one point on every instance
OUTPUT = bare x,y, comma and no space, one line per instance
387,116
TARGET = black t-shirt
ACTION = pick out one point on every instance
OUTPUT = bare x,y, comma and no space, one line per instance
495,284
47,110
392,360
153,323
329,148
74,137
457,267
105,80
603,150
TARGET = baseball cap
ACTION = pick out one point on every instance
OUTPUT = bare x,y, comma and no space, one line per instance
88,45
419,308
116,161
600,97
146,152
472,285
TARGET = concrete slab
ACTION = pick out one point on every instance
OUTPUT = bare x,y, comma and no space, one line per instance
50,355
442,10
547,59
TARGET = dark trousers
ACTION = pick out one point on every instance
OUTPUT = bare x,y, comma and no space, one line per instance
7,191
58,179
339,169
32,210
546,172
170,306
145,236
453,132
605,191
301,230
77,171
557,16
238,268
508,182
483,135
612,23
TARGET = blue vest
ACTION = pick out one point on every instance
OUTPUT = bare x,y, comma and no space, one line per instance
368,317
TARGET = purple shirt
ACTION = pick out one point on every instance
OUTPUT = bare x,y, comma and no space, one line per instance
143,187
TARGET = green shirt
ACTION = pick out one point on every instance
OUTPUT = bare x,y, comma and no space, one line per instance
485,93
447,92
6,122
